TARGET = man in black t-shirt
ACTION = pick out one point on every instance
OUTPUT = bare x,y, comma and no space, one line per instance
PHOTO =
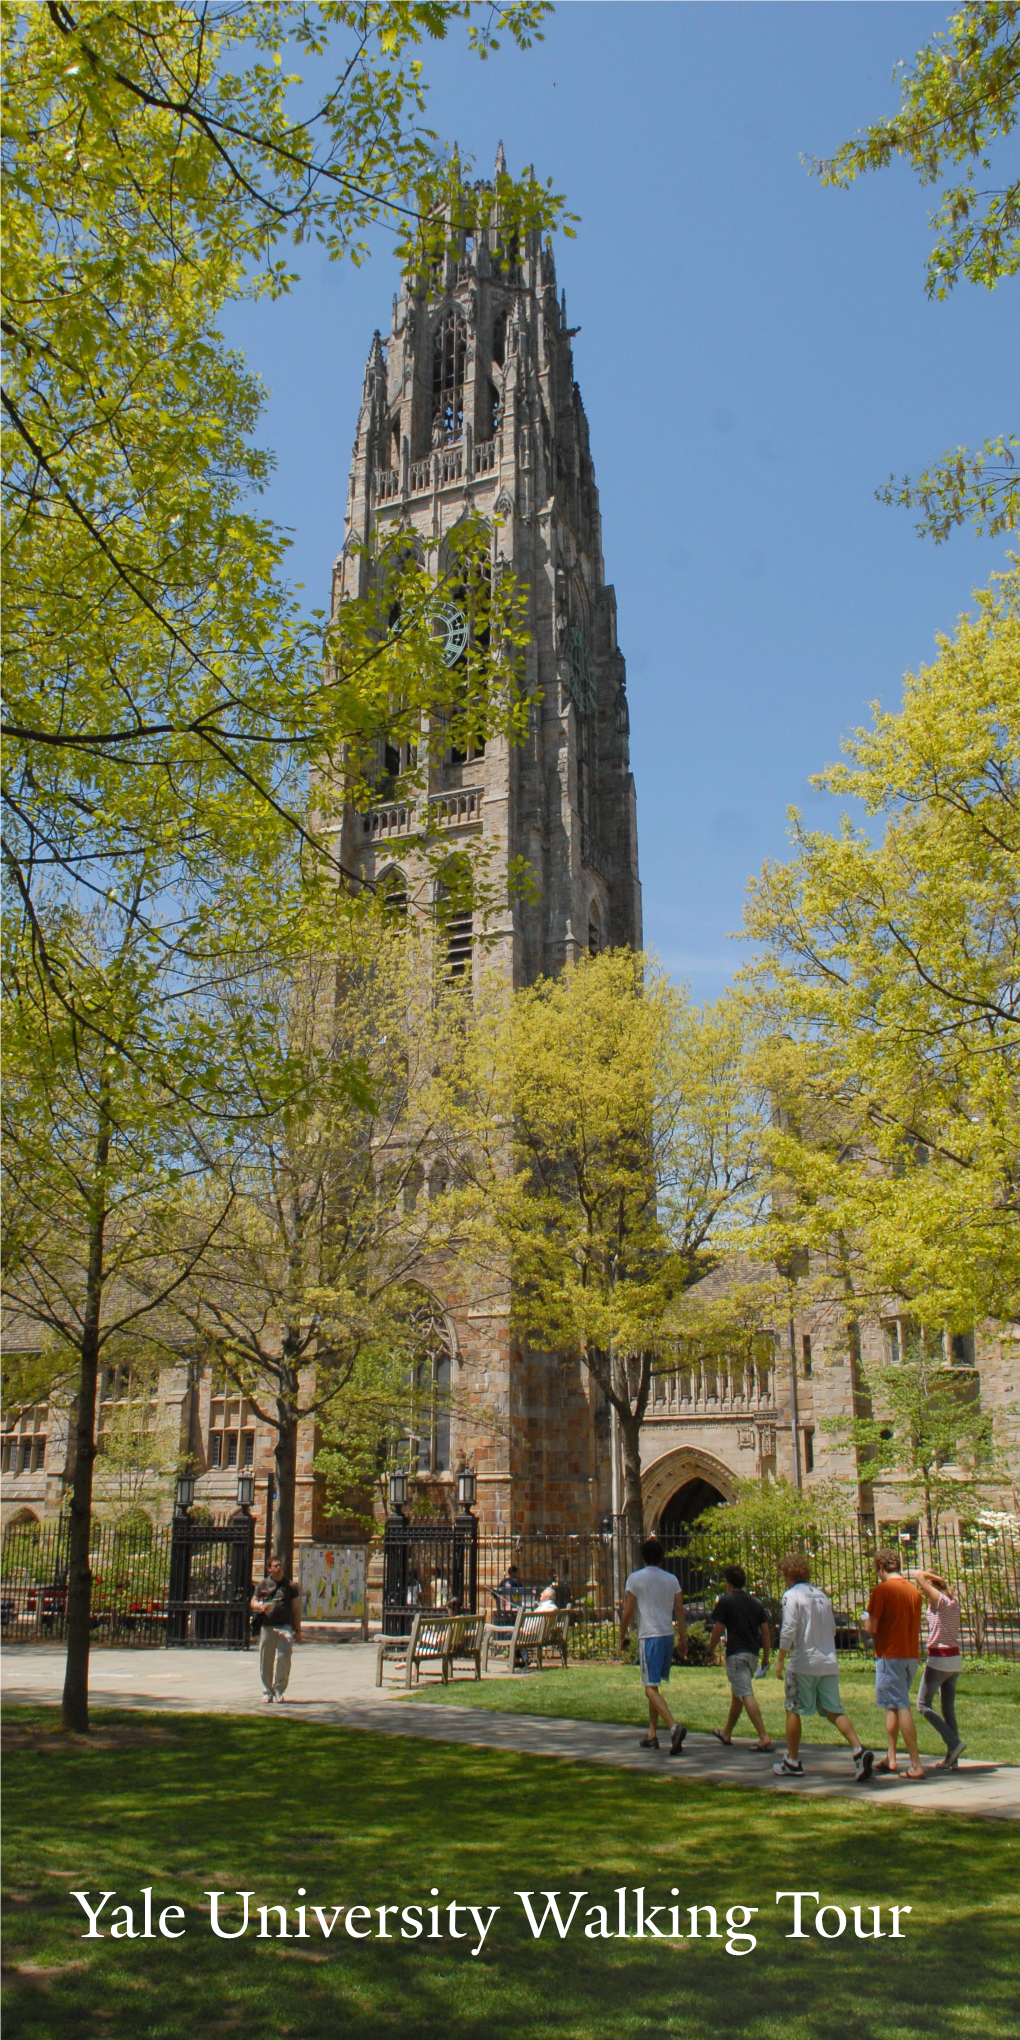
277,1600
744,1621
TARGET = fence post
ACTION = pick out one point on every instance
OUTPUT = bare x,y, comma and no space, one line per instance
465,1545
180,1577
242,1561
397,1617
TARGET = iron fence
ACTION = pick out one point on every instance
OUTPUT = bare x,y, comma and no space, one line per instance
130,1568
148,1585
588,1571
981,1564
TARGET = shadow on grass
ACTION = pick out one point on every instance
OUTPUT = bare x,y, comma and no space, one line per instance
268,1806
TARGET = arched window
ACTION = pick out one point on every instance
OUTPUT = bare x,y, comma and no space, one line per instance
492,420
393,893
449,360
499,340
594,929
428,1431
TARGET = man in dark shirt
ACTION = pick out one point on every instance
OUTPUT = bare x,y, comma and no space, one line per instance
745,1623
277,1600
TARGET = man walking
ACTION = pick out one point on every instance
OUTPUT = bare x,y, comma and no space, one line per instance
277,1601
744,1621
654,1595
807,1638
893,1620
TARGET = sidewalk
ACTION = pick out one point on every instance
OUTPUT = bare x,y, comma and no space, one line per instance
335,1683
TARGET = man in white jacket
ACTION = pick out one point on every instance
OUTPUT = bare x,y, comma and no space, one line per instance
809,1667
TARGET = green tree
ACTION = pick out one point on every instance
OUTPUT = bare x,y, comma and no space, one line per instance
606,1143
887,980
97,1139
961,97
928,1437
165,695
309,1285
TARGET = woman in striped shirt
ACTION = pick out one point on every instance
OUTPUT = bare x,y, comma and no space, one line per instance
943,1666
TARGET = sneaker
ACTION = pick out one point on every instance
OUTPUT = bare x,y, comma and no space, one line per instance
676,1740
786,1769
863,1762
952,1758
267,1699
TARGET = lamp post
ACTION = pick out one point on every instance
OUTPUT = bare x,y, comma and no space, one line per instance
245,1491
465,1544
182,1534
396,1620
185,1493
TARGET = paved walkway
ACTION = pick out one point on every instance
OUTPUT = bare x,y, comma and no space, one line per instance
335,1683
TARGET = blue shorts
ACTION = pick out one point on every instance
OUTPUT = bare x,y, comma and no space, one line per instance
656,1655
894,1677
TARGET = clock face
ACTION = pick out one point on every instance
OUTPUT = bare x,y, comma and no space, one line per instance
582,672
452,631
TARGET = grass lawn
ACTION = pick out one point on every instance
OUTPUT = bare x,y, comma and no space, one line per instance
190,1803
987,1703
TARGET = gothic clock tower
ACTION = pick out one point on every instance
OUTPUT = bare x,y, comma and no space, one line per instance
472,407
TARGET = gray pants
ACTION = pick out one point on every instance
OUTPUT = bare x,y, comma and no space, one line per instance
275,1646
935,1681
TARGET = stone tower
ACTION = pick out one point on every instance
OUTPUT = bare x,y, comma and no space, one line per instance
472,406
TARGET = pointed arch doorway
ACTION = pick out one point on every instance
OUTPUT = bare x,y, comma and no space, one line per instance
689,1501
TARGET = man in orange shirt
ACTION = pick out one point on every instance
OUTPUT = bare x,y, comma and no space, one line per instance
894,1621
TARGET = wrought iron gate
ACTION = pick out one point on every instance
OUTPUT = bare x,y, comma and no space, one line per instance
210,1582
428,1565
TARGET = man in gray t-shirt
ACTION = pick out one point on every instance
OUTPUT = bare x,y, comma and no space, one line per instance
653,1594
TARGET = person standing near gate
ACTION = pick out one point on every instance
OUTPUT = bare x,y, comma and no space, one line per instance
277,1603
654,1595
893,1621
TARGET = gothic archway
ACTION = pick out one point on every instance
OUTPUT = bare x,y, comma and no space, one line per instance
676,1470
685,1506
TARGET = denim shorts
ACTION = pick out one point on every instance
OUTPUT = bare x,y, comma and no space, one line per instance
894,1677
741,1666
656,1655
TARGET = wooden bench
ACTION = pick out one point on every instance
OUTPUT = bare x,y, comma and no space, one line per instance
533,1629
435,1642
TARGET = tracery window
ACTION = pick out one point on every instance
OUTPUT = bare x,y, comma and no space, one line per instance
594,929
449,361
428,1430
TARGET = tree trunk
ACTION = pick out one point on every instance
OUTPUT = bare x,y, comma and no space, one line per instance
286,1483
74,1712
860,1399
633,1504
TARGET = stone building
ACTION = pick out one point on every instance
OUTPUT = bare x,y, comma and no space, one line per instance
713,1422
471,407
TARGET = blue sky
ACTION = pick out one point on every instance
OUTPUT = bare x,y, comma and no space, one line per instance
756,355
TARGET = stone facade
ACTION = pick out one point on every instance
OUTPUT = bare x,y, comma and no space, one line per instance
712,1423
472,407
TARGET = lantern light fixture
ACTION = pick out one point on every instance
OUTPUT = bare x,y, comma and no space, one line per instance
245,1490
398,1490
185,1493
467,1488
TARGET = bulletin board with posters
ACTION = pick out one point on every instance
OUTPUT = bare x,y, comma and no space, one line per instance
333,1583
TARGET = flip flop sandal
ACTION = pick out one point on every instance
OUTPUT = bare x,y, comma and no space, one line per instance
887,1770
759,1747
726,1740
